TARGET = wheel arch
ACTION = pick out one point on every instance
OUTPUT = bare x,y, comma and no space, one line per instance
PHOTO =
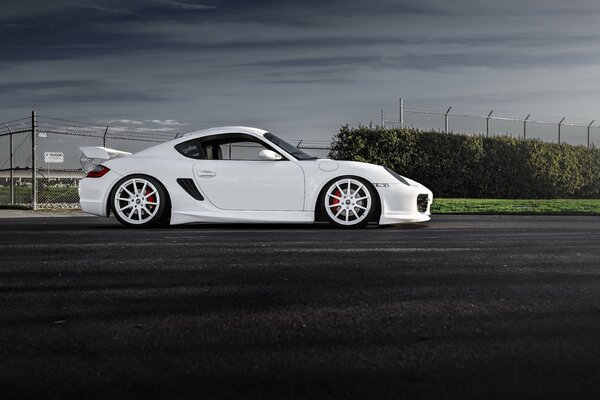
168,206
319,214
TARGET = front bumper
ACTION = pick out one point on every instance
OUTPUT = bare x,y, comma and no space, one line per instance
405,204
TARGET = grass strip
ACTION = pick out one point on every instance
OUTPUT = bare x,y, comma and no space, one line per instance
517,206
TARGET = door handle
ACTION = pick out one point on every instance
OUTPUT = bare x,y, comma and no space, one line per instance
206,174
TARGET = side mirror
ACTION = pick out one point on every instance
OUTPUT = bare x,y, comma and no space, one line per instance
269,155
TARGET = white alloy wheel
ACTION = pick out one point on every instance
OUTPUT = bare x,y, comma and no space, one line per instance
348,202
137,201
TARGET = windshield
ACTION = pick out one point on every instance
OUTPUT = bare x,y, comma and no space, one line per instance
293,150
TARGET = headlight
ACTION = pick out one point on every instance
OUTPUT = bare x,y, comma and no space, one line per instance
397,176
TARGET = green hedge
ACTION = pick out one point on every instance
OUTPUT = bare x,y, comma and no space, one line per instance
454,165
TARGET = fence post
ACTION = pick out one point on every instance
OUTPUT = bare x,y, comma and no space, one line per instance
12,188
588,132
559,126
525,126
401,112
104,137
446,119
33,161
487,124
382,120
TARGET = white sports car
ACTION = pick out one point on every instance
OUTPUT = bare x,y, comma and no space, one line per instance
241,174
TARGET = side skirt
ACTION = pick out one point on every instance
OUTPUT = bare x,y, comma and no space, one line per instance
184,217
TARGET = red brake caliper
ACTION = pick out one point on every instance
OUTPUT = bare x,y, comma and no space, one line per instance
336,201
151,199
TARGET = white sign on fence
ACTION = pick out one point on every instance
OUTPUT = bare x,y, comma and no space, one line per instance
54,157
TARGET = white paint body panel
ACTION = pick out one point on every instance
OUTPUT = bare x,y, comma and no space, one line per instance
283,191
252,185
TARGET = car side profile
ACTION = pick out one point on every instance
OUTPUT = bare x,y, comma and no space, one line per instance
243,175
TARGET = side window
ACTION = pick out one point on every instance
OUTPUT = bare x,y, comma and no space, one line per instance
234,147
191,149
247,151
237,147
212,150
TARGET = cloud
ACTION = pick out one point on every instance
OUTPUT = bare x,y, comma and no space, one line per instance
140,130
122,121
187,6
168,122
12,86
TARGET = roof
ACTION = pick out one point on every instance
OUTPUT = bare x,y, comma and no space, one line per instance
227,129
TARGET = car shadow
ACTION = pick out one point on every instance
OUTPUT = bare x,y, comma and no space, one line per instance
325,226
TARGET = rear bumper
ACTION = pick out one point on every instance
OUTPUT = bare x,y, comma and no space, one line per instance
94,192
405,204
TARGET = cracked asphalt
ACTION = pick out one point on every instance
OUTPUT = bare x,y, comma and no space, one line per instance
489,307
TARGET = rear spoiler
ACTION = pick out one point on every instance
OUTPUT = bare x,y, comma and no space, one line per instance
94,156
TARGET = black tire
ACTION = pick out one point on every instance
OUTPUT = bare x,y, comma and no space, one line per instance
135,209
340,206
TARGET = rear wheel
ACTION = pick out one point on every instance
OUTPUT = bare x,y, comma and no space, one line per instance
138,201
348,202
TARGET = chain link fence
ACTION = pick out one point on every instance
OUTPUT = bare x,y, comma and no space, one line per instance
39,156
15,165
446,119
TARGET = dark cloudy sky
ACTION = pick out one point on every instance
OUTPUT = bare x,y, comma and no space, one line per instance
299,68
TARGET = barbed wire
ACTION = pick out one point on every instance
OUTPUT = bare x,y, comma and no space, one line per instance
15,120
495,117
9,133
68,120
8,128
100,131
117,137
64,126
478,111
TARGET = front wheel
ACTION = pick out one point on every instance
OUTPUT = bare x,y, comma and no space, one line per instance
348,202
138,201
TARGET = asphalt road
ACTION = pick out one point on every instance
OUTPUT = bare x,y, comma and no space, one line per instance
462,307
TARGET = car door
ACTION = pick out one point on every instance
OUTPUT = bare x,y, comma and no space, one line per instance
250,184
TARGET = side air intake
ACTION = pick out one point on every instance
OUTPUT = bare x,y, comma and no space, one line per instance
190,187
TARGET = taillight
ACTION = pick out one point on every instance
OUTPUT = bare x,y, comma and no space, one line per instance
97,172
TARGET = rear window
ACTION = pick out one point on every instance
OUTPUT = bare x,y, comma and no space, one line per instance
190,149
